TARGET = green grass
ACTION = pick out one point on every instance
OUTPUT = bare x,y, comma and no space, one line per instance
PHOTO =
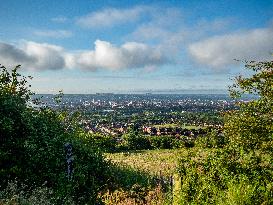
154,162
210,175
138,168
141,166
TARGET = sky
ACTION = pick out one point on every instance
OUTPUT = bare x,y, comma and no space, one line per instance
90,46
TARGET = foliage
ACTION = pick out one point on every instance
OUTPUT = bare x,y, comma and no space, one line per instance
134,141
105,143
15,194
32,146
138,195
216,178
241,172
160,142
213,139
251,127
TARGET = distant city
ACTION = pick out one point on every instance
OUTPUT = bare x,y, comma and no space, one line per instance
153,114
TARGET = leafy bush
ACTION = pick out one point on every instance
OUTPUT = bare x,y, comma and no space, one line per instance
32,146
212,139
103,142
216,178
241,172
134,141
161,142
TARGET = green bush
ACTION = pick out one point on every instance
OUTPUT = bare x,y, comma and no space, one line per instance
32,146
161,142
212,139
224,177
241,171
134,141
105,143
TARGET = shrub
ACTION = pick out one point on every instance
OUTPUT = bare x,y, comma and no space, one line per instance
161,142
134,141
32,146
103,142
212,139
241,172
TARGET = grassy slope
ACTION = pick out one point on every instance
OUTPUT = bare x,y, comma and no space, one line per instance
153,162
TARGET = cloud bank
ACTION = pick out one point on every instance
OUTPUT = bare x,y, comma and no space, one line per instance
107,56
37,56
33,56
220,51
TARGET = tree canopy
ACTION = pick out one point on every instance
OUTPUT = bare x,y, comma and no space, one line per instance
251,127
32,146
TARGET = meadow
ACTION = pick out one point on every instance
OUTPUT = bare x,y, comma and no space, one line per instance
155,162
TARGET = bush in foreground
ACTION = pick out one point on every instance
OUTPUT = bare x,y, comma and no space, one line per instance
32,147
241,172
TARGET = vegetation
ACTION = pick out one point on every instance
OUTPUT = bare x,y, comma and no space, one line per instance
234,167
32,147
155,162
241,172
135,141
229,165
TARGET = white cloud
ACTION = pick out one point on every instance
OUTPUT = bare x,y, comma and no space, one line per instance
37,56
53,33
110,17
32,56
48,57
167,29
220,51
11,56
215,25
107,56
163,23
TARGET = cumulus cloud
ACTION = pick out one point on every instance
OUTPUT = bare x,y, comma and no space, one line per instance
53,33
32,56
220,51
11,56
37,56
108,56
48,57
110,17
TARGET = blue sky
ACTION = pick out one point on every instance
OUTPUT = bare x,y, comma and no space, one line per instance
133,46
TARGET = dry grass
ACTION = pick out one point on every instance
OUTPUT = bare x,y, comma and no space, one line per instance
136,196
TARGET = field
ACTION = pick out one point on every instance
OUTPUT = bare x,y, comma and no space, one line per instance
158,162
144,165
155,162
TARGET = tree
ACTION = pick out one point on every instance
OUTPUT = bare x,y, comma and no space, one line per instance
32,146
241,172
251,127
